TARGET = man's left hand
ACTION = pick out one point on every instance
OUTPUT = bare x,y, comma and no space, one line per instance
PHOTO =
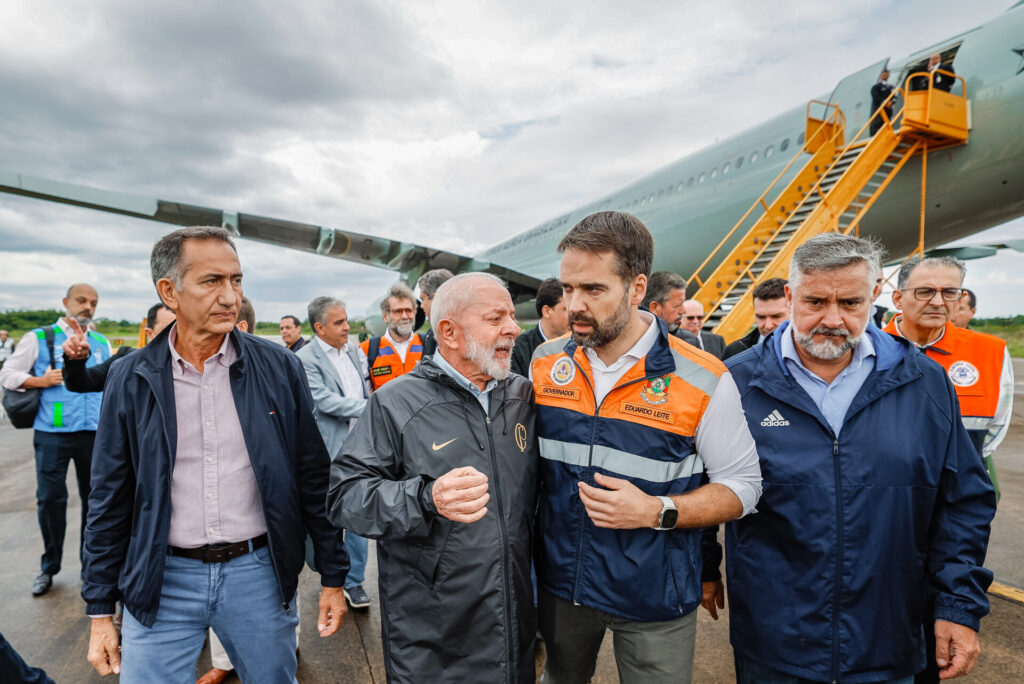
332,610
956,649
621,505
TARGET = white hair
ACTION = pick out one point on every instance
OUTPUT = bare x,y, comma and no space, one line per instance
832,251
454,295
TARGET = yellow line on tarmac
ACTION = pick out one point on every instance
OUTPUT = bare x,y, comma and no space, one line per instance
1007,592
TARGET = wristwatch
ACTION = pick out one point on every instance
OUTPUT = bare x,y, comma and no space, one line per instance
669,514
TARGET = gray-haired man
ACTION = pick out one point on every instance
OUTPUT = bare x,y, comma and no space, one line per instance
338,378
440,470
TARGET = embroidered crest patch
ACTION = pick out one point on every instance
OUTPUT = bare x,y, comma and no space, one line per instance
963,374
563,371
655,392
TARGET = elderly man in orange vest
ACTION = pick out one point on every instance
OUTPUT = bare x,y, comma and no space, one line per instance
399,349
929,290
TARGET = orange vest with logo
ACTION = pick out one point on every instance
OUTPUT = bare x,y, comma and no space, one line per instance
974,363
388,364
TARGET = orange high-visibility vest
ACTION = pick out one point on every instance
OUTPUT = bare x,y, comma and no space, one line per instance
974,362
388,364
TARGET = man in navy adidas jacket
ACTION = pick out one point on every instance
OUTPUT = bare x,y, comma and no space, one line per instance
875,501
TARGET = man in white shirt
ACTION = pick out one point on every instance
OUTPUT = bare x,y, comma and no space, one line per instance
339,381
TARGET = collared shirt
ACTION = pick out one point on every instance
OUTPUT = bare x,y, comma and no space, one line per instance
351,377
18,368
214,494
832,399
606,376
400,347
482,395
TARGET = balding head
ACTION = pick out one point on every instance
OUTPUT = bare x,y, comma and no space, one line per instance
80,303
693,316
474,322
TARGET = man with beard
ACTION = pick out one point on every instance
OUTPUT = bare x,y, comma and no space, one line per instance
440,469
399,350
876,506
629,419
65,424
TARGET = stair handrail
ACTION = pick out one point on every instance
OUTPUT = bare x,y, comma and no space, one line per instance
840,120
927,75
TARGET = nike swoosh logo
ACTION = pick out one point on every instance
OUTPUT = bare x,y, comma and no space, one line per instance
438,447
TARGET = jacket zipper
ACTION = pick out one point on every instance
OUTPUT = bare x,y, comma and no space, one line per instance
839,562
590,464
513,663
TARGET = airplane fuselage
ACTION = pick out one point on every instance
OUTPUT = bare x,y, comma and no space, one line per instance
691,204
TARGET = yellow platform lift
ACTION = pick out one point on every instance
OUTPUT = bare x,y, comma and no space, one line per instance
833,191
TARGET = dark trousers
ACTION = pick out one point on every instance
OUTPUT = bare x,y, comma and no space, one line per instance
54,451
930,673
14,670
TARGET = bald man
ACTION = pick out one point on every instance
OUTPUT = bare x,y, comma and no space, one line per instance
65,422
691,330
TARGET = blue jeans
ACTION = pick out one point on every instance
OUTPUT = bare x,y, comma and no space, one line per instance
240,599
54,453
357,548
752,672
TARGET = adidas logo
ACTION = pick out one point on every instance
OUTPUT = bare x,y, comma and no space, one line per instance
774,419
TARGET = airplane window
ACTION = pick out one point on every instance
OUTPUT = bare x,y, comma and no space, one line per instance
643,201
689,181
700,178
725,168
739,163
679,188
661,193
768,151
784,146
800,139
753,157
714,172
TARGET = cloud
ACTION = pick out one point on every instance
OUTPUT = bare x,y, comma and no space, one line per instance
453,123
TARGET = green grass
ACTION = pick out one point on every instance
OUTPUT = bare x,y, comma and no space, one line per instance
1010,329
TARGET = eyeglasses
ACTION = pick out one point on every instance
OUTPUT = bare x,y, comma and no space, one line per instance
925,294
693,318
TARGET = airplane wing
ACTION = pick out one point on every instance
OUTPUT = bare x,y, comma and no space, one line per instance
978,251
409,259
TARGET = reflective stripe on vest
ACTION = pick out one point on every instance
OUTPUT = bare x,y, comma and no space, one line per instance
388,365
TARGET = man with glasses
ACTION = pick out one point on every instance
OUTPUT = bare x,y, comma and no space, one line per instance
690,330
929,291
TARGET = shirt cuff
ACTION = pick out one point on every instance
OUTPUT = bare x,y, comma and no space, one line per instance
747,492
100,609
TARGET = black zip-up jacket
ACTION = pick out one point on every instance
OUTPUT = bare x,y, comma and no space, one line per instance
456,599
133,459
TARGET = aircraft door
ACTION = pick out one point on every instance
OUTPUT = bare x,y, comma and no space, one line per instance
853,95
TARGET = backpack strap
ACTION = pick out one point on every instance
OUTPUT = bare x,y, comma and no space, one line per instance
373,351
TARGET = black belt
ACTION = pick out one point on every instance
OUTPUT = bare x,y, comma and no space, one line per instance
219,553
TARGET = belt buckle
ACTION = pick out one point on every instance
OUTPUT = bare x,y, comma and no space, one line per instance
217,553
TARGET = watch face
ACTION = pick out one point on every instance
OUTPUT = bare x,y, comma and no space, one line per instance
669,517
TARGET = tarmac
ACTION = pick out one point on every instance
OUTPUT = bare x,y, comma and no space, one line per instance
52,631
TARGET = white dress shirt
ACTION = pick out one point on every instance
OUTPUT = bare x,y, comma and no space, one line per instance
351,379
400,347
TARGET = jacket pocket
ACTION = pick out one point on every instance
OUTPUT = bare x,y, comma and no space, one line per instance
431,555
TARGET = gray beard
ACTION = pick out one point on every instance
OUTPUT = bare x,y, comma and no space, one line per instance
826,351
483,358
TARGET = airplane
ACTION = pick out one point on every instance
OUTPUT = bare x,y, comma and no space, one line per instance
692,203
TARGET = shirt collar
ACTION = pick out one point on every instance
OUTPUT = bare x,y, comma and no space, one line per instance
638,351
65,328
396,345
862,351
326,347
225,356
896,323
463,381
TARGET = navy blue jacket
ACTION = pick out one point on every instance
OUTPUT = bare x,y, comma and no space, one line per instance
853,534
133,458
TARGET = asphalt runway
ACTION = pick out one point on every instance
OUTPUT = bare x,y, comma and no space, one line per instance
53,632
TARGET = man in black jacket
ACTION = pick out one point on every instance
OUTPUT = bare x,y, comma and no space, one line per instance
942,75
770,310
209,473
78,378
440,469
879,94
552,322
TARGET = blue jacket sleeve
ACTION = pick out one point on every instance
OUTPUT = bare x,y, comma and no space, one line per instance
331,559
965,506
108,525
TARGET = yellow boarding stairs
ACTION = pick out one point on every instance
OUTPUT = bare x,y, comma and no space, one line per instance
832,192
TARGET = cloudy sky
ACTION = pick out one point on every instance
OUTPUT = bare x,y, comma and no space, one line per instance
454,123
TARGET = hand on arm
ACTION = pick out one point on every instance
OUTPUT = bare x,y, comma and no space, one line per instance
622,505
956,649
460,495
104,646
332,610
